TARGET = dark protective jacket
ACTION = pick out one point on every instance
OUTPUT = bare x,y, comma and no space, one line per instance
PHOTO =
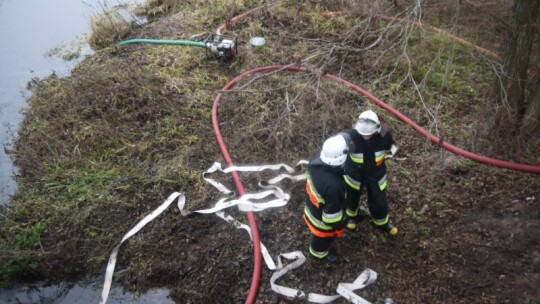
326,189
367,160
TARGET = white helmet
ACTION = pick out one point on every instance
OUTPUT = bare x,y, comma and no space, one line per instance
334,151
368,123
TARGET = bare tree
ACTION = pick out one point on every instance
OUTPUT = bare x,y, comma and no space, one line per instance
514,108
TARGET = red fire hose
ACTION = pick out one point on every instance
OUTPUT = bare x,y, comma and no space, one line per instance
252,296
239,186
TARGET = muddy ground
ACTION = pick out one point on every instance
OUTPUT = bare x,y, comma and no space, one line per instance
468,232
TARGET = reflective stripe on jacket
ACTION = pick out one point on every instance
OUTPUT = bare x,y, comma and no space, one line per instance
367,159
326,190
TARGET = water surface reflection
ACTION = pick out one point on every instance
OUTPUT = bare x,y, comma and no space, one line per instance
79,294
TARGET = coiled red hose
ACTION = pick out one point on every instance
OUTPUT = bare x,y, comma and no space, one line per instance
252,295
239,186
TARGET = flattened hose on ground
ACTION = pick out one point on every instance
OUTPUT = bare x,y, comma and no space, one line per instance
241,191
158,41
251,218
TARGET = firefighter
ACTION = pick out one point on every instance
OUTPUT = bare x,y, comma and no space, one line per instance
365,169
326,189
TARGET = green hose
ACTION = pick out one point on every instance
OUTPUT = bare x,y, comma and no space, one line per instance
155,41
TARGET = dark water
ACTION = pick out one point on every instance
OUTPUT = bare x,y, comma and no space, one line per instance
79,294
33,36
29,30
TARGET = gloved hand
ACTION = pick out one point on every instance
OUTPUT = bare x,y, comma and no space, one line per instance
393,150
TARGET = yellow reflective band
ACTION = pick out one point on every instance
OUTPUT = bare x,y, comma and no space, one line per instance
316,222
313,190
351,182
381,222
320,255
332,218
357,158
352,213
383,182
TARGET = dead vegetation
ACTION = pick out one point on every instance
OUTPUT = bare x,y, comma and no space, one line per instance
104,147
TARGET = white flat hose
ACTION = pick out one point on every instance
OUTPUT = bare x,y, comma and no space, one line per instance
246,203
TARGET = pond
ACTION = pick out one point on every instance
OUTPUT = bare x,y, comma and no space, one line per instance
79,294
29,30
35,34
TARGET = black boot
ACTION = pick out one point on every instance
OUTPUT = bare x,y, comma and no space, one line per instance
352,221
329,258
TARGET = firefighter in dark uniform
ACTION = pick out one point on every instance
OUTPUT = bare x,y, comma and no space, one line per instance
365,169
326,189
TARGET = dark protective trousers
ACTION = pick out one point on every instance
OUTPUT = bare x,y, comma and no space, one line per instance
321,244
376,199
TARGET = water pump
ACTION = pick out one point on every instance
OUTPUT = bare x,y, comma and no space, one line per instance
221,46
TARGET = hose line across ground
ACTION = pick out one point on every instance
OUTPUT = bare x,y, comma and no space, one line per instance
159,41
241,191
252,295
436,140
255,279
